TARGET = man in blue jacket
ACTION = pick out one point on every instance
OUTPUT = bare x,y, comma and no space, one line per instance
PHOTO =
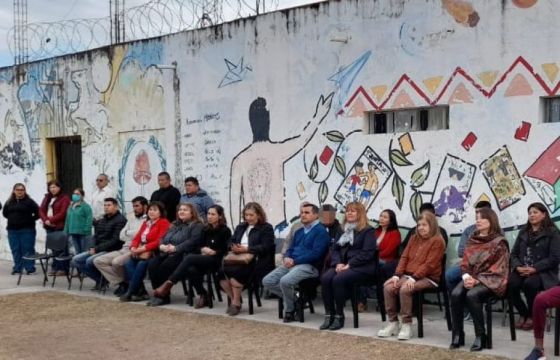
302,259
196,196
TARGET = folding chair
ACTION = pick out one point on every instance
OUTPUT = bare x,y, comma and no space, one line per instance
56,241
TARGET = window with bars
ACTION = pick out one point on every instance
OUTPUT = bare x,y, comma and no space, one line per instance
407,120
551,109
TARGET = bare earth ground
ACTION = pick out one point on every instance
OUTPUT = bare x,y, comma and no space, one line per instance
50,325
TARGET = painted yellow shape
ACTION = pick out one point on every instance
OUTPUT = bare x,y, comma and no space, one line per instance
406,144
432,83
116,62
551,70
379,91
488,78
483,197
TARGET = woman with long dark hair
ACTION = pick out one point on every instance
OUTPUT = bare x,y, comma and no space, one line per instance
53,211
534,262
22,212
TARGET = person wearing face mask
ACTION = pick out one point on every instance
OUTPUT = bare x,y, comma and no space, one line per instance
79,220
419,268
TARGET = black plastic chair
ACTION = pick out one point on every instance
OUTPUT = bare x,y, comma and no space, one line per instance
419,300
306,292
376,281
56,241
212,284
488,308
557,333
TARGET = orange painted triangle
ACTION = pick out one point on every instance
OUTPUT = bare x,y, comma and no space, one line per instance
432,83
460,95
379,92
551,71
357,109
519,86
488,77
403,100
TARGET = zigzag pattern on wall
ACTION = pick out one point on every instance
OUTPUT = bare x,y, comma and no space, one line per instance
459,72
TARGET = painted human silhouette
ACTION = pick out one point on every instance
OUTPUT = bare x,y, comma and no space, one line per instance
257,172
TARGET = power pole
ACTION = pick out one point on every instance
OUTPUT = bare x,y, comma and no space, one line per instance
21,42
116,18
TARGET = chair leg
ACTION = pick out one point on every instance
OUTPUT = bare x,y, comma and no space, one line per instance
302,299
419,312
381,301
439,301
557,333
447,310
210,290
489,324
217,287
250,291
258,295
280,308
45,268
53,280
354,302
511,320
185,291
311,308
190,296
70,277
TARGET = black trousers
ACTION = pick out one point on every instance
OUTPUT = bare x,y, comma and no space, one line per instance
194,267
337,287
474,299
530,286
161,267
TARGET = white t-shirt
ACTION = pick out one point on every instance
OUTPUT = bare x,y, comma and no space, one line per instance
245,238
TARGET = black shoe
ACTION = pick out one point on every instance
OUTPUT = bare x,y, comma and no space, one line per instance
327,323
125,297
32,272
479,343
142,297
289,316
123,287
97,287
338,323
16,272
457,340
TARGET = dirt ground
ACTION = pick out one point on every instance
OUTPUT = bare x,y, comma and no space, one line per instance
51,325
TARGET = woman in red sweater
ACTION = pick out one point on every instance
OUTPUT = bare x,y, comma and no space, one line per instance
144,243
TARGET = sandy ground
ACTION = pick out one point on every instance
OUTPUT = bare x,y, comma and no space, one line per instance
51,325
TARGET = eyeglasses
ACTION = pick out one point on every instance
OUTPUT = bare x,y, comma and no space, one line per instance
99,180
19,189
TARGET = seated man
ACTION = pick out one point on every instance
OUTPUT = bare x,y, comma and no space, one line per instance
111,265
106,238
279,257
302,259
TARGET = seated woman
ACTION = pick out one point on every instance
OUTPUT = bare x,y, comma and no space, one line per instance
193,266
388,240
534,262
182,238
352,258
419,268
485,269
142,247
254,236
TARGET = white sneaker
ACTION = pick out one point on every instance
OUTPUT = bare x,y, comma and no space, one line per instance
389,330
406,331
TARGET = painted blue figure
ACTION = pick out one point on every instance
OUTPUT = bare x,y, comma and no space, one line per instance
451,200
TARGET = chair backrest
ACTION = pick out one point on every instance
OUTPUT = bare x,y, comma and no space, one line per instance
56,240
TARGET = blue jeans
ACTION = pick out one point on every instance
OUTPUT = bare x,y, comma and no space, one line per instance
453,277
22,243
84,263
135,272
282,282
81,243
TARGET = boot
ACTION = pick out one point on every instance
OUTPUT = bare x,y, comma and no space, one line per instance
338,323
327,323
164,290
457,340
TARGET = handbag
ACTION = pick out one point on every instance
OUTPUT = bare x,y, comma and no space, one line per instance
238,259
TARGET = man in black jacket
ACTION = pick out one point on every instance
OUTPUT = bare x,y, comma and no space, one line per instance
105,239
167,194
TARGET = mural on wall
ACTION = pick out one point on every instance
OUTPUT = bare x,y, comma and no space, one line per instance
462,11
344,78
141,162
544,176
257,172
524,4
453,186
502,176
365,180
235,72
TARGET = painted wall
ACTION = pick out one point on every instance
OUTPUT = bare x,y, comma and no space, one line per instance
272,109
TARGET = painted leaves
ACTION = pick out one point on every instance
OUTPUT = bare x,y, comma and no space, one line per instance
398,190
415,203
420,175
399,158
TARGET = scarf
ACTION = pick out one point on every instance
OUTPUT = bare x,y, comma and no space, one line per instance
348,236
486,258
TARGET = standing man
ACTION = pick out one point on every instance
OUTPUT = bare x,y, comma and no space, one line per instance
111,265
105,239
102,191
302,260
167,194
196,196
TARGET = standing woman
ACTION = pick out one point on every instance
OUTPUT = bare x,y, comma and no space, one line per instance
352,258
534,261
22,213
79,221
53,211
419,268
143,245
181,239
253,236
215,237
485,269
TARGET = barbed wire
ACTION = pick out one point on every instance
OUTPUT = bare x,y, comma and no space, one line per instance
152,19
